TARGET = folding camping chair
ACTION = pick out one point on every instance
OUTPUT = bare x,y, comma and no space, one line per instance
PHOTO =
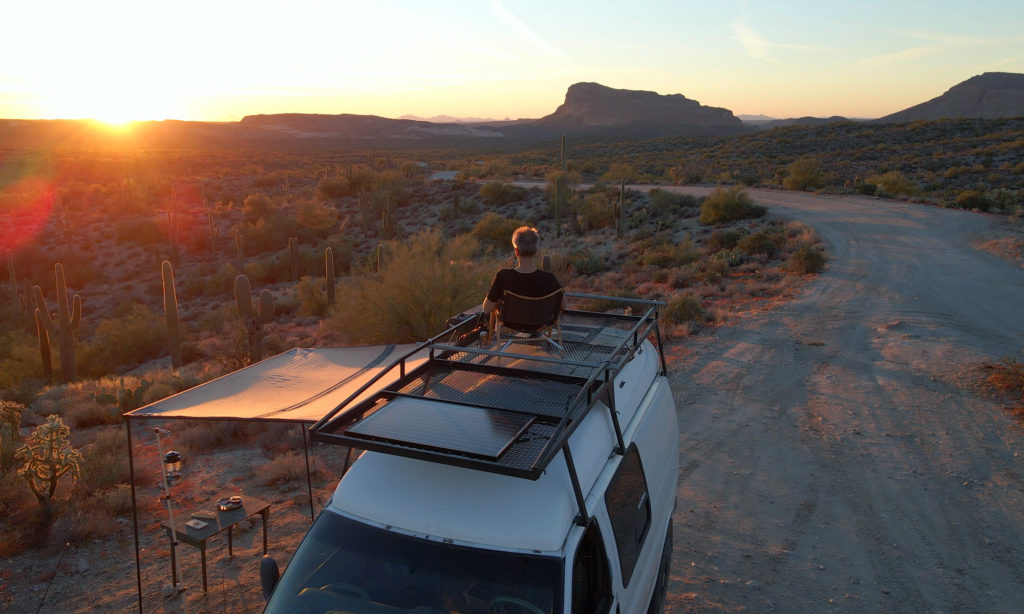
528,319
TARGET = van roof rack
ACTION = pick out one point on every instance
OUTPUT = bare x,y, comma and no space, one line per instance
508,411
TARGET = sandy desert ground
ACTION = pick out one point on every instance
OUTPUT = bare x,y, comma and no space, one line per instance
837,453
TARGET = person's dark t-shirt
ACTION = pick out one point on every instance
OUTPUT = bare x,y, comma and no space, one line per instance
536,284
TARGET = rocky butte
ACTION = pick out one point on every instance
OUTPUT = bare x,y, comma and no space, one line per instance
986,96
595,109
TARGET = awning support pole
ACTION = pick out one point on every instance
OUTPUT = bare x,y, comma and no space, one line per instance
135,515
309,481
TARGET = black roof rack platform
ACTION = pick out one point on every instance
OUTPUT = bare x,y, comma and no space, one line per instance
509,411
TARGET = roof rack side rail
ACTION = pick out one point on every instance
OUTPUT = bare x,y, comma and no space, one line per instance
400,361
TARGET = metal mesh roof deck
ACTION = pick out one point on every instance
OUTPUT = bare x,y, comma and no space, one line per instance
507,407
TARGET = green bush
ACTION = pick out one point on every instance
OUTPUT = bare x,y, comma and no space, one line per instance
585,262
499,193
683,308
804,173
668,256
724,239
665,203
807,259
423,282
894,183
728,205
760,242
132,337
495,231
594,211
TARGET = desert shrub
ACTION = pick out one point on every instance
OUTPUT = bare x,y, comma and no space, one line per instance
314,220
494,231
1007,376
727,205
712,270
620,172
312,295
867,189
333,187
807,259
288,468
972,199
422,282
682,277
668,256
141,230
20,364
586,262
724,239
804,173
760,242
104,464
132,337
594,211
894,183
665,203
499,193
683,308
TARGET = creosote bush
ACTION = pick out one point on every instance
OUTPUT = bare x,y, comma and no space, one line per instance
423,281
807,259
683,308
728,205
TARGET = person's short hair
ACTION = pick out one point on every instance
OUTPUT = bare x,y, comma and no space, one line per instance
526,239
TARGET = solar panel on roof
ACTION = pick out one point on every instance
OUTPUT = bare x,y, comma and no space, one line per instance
446,427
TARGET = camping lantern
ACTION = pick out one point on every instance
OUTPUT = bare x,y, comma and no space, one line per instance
172,464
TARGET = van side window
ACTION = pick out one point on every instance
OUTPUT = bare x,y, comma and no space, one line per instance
629,508
591,577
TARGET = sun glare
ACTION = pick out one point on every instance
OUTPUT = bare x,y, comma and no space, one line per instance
116,106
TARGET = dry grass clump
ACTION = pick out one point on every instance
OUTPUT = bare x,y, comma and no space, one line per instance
289,468
1007,376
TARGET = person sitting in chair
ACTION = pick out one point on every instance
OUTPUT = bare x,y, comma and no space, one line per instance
526,279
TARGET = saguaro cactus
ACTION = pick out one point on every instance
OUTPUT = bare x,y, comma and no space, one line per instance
253,318
48,457
171,313
44,345
293,257
67,322
10,432
330,280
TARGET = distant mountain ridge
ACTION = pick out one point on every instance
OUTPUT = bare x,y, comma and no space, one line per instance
986,96
589,110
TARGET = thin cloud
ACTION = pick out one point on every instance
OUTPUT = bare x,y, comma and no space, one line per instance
524,32
753,43
758,47
901,56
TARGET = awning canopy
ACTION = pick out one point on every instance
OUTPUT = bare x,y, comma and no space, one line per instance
300,385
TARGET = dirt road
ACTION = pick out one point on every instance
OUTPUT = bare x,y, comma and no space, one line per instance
833,457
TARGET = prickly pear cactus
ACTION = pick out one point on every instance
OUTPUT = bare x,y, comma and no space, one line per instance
48,457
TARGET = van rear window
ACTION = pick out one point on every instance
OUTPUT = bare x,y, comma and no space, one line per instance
345,565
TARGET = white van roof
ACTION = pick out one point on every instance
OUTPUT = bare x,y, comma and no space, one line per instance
466,505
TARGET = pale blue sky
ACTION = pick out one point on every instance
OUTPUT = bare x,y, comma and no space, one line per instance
223,59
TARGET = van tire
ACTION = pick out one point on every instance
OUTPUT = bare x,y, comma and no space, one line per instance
657,605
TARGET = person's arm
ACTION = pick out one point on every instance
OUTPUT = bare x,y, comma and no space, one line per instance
491,300
489,306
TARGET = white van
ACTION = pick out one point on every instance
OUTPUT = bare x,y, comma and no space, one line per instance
518,476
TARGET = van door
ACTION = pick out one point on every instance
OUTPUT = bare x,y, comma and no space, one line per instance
591,581
628,504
